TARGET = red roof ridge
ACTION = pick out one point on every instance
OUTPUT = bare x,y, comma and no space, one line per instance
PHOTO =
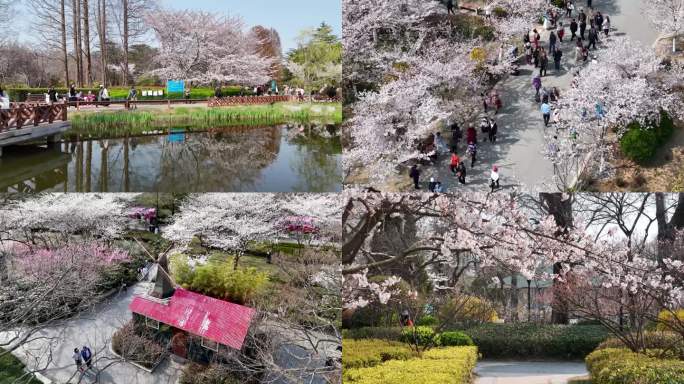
214,319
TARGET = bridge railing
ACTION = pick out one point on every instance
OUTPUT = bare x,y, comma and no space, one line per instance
235,100
21,115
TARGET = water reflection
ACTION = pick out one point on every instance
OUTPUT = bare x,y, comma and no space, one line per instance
264,159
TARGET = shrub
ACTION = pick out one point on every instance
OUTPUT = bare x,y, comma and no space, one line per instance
612,365
535,340
454,339
667,318
640,143
11,369
500,12
466,311
386,333
371,352
212,374
437,366
218,279
559,3
420,335
133,344
664,344
427,320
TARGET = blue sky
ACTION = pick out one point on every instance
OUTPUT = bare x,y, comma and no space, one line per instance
288,17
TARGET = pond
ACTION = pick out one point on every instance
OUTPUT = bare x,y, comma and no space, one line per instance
285,158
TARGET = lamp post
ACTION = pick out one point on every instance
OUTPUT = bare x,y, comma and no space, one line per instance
529,301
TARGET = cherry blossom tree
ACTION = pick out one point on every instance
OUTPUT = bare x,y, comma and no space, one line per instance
667,16
626,82
234,221
445,233
204,47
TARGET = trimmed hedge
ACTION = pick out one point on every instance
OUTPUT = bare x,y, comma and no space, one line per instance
420,335
622,366
371,352
116,93
385,333
437,366
454,339
536,340
662,344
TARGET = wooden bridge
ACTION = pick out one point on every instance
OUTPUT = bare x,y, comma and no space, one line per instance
26,122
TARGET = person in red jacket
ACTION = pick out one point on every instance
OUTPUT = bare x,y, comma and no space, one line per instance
454,162
471,135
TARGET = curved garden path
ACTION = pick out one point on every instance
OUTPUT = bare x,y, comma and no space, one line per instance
519,150
527,372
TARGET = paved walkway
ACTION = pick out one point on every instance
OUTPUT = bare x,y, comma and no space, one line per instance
94,329
519,150
527,372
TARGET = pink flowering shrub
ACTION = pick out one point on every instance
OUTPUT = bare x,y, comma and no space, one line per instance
299,225
71,261
141,213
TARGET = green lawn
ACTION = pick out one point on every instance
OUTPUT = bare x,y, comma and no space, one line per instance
11,369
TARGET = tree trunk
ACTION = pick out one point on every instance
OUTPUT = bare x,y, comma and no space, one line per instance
126,75
562,213
86,37
514,298
667,229
102,32
76,22
65,53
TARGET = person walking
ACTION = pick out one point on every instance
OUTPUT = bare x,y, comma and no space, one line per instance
582,23
569,8
78,360
494,178
552,41
561,31
536,83
472,151
528,53
606,25
589,5
493,129
461,172
133,97
471,135
573,29
450,7
454,162
557,55
546,113
414,173
87,356
52,95
543,63
432,184
456,136
593,36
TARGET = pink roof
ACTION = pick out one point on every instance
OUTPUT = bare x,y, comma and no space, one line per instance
223,322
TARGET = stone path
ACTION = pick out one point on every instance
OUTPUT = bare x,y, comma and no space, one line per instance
527,372
94,329
519,150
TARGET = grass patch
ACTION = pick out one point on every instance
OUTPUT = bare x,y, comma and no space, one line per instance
12,369
193,119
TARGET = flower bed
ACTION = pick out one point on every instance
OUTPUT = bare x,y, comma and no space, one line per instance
442,365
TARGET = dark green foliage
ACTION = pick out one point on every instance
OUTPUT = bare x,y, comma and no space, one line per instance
559,3
536,340
427,320
421,336
641,143
454,339
500,12
12,369
385,333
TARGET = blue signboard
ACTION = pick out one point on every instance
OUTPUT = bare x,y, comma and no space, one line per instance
176,136
175,86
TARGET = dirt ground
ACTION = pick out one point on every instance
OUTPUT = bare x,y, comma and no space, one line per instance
664,174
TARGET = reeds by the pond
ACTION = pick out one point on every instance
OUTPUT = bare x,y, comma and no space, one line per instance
123,123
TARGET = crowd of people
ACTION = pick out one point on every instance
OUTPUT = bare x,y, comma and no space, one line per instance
585,30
